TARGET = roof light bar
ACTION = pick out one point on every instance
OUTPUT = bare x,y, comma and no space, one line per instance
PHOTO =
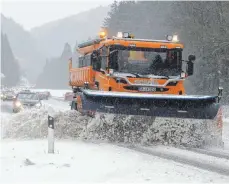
124,35
173,38
119,35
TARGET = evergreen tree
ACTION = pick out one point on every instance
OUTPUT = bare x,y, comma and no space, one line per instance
9,65
55,73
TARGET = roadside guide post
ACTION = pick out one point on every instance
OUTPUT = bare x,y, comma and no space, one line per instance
50,134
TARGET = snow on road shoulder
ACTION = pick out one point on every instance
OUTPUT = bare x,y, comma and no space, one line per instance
75,161
226,134
32,124
28,161
226,127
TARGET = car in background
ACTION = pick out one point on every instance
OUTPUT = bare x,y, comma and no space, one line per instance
26,100
68,96
7,95
26,90
47,94
44,95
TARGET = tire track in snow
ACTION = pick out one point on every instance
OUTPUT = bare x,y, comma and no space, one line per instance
209,152
218,168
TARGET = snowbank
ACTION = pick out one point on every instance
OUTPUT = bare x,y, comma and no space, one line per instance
110,128
226,112
226,127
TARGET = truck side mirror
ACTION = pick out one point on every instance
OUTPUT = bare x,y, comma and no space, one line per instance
191,57
190,68
190,65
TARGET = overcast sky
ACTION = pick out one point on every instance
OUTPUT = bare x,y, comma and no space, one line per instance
32,13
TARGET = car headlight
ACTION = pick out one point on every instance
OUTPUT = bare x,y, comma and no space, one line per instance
17,104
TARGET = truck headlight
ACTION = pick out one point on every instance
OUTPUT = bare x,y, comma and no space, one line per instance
175,38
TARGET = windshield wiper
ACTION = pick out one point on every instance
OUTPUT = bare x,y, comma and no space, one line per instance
164,77
137,75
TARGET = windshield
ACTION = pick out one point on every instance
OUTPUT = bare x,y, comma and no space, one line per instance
161,62
27,96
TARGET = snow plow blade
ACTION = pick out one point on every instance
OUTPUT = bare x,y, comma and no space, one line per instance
177,106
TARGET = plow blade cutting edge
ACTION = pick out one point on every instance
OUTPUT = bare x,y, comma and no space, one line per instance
177,106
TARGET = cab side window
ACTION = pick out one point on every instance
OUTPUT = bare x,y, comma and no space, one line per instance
96,60
81,61
85,60
99,59
113,60
104,58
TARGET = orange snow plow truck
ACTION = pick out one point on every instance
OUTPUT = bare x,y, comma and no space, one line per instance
126,75
131,76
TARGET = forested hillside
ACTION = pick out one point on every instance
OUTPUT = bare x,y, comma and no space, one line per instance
29,57
33,48
55,72
51,37
9,65
202,26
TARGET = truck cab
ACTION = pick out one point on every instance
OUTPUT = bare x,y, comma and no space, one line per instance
125,64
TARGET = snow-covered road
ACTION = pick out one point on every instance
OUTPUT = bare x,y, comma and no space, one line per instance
6,107
28,161
77,161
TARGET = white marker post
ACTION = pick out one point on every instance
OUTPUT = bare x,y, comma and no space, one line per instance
50,134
